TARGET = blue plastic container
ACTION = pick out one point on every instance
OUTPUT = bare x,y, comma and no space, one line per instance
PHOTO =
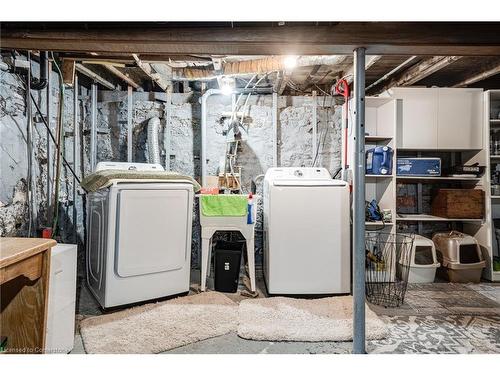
379,160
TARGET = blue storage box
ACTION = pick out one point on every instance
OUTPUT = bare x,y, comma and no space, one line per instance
418,167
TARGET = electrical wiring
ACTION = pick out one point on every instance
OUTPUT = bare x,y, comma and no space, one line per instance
54,140
323,135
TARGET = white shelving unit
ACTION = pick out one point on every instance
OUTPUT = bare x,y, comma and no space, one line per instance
492,124
380,125
384,126
425,217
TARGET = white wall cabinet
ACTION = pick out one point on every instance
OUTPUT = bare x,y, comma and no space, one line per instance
417,126
460,119
439,118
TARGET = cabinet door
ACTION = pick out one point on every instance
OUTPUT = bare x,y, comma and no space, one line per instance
417,118
460,119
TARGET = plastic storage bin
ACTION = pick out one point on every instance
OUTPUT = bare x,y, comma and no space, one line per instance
460,256
227,265
424,262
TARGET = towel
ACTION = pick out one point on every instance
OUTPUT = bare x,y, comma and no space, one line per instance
102,179
223,205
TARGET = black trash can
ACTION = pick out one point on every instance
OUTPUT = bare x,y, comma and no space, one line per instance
227,265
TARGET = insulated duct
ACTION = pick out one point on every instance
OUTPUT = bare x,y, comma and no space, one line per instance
153,144
257,66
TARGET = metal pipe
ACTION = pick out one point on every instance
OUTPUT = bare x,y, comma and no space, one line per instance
167,134
41,82
275,129
76,130
359,204
129,124
392,72
93,129
314,128
203,153
204,99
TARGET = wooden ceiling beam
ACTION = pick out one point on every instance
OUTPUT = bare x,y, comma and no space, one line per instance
94,76
122,76
421,70
379,38
479,77
163,82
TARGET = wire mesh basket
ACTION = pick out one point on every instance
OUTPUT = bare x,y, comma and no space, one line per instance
388,259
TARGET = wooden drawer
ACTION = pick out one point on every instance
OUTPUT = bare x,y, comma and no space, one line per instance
459,203
29,267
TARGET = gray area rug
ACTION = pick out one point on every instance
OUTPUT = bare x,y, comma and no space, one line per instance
290,319
450,334
158,327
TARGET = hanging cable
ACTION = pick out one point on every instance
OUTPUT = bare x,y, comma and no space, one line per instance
60,147
66,163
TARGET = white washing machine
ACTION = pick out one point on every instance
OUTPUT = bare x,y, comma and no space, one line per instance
139,238
306,232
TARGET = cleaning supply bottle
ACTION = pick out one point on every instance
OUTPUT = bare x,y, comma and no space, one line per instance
250,218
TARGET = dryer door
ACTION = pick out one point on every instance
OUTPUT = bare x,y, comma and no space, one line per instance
152,228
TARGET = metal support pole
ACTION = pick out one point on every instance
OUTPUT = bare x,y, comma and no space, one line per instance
167,135
76,143
314,128
359,205
93,129
130,108
48,112
275,129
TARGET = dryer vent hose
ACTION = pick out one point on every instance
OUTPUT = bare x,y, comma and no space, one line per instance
153,143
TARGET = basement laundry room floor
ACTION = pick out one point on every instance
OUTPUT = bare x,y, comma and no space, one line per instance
435,318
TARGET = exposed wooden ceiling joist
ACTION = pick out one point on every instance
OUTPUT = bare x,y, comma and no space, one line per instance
163,83
479,77
421,70
410,38
94,76
122,76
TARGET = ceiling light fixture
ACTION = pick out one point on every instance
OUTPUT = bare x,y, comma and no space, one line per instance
290,62
227,85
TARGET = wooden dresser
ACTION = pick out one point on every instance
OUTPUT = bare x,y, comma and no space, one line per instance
24,282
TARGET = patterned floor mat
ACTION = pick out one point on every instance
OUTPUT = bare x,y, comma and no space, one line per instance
440,334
